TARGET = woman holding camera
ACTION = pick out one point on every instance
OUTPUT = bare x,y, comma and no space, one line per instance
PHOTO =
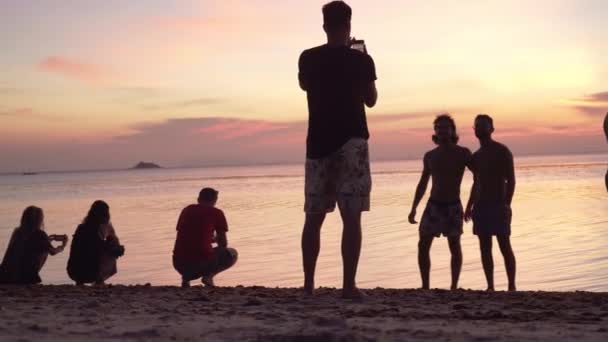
28,249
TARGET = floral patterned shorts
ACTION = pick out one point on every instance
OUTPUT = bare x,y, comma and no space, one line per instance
343,177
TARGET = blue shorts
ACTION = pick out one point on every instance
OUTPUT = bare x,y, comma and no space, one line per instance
492,219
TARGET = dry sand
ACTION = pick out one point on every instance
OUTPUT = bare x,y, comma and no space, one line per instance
144,313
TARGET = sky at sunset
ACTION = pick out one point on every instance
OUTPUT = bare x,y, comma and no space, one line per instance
94,84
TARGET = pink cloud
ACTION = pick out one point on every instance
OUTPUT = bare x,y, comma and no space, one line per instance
592,104
229,141
84,72
232,129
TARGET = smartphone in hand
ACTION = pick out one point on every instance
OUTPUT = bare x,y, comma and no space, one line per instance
358,44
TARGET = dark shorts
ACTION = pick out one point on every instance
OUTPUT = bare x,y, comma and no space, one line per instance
492,219
221,260
442,218
343,177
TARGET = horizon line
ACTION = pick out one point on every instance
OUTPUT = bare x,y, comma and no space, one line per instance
238,164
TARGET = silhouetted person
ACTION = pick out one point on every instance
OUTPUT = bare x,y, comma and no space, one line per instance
339,83
95,247
490,202
606,133
28,249
194,255
443,214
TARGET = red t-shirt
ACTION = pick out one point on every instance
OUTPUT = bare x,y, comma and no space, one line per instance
195,229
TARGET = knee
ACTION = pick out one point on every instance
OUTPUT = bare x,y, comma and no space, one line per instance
352,226
455,248
423,247
351,218
313,222
233,254
485,246
505,245
486,251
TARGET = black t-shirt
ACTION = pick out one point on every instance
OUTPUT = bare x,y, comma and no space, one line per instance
336,79
85,254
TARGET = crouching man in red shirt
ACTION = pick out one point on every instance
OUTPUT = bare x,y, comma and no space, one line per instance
194,256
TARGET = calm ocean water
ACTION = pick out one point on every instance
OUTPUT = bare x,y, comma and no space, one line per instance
560,226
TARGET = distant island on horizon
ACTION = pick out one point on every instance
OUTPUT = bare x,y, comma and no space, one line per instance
145,166
213,165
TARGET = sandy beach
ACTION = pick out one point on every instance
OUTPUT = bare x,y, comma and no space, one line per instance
147,313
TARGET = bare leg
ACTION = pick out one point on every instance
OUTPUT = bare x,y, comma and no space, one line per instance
456,251
485,246
507,252
351,250
226,259
107,269
311,243
424,259
40,261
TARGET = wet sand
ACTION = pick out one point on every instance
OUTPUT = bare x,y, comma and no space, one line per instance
146,313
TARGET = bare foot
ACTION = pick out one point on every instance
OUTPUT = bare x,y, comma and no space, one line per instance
309,291
352,293
208,281
309,288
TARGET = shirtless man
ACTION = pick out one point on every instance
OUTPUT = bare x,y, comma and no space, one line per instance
490,202
443,214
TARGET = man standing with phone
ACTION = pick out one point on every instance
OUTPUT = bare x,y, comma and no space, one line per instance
339,80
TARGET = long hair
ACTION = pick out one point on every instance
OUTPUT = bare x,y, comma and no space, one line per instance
98,214
32,219
450,120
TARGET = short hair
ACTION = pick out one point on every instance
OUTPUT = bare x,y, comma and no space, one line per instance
336,14
446,117
485,117
208,195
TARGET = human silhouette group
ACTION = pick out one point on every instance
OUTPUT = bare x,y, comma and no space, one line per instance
339,79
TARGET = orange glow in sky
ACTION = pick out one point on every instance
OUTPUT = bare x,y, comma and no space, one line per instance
110,76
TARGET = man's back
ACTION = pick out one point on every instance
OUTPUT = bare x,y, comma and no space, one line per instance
491,165
447,169
195,232
336,79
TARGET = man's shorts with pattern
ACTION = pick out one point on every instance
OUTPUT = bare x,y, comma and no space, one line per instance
343,177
